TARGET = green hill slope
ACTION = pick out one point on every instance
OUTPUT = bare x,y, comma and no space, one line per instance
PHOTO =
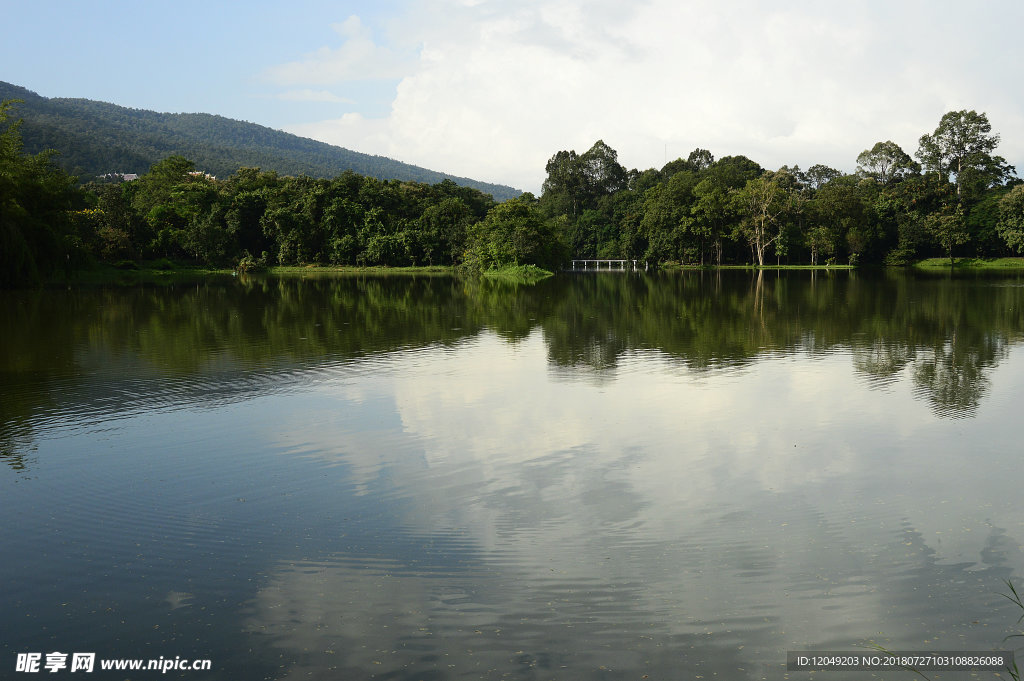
95,138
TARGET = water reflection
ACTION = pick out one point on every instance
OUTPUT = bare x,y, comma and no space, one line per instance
673,475
212,341
665,538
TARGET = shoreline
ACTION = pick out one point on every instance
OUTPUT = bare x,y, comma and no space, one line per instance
110,274
971,263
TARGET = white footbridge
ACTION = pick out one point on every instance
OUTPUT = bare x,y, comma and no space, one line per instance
608,265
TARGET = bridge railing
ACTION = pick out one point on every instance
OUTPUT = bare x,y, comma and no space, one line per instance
609,264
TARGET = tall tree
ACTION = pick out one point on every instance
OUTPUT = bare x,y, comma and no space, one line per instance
35,197
733,171
818,175
667,223
762,202
577,182
886,162
563,190
602,172
712,212
962,146
700,159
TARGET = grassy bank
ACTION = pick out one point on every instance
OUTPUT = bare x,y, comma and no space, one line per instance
518,273
165,272
348,269
972,263
524,274
159,272
679,266
145,273
928,263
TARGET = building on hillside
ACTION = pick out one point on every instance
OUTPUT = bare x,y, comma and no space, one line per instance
120,177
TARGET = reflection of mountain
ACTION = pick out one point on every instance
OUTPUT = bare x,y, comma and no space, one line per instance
406,477
107,353
115,351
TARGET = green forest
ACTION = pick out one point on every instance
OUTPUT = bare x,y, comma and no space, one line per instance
96,138
957,199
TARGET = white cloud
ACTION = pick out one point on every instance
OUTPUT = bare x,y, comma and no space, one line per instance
668,435
498,89
358,58
650,484
311,96
352,131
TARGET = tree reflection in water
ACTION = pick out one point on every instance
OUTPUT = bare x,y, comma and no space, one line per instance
230,339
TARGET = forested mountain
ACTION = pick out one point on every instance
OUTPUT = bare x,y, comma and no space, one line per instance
957,199
94,138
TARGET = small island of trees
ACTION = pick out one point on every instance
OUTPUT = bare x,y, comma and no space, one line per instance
956,199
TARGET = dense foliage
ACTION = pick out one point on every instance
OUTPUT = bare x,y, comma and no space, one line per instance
257,218
957,199
174,212
960,198
36,200
177,214
95,138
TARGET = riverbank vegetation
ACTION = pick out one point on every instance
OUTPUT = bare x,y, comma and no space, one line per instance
524,274
958,199
972,263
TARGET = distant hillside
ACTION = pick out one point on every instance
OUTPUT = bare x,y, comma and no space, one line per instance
95,138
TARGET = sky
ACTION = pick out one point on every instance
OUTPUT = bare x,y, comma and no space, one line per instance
491,89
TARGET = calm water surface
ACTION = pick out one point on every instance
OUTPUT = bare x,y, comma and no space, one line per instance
603,476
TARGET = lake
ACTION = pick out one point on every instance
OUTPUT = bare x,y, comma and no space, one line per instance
602,476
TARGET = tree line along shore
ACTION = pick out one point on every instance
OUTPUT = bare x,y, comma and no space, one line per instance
957,199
